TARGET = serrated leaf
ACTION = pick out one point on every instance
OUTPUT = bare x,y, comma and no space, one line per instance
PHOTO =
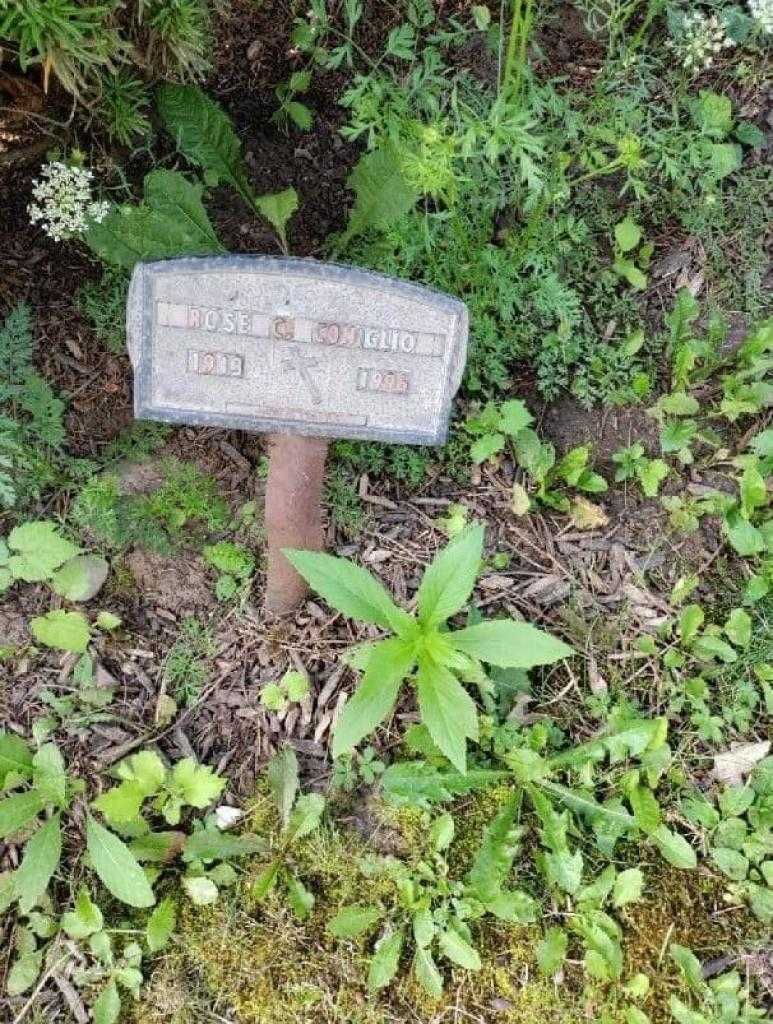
18,810
382,192
441,833
170,221
41,857
458,951
348,588
509,644
84,920
389,663
40,549
278,208
200,890
449,579
204,134
121,804
15,757
161,925
301,900
353,920
385,961
551,951
651,474
674,848
282,774
107,1006
514,417
486,446
66,631
628,887
198,784
738,628
627,235
116,866
306,816
80,578
208,844
49,775
494,857
427,974
448,712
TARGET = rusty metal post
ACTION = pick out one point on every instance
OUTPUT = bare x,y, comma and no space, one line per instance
296,473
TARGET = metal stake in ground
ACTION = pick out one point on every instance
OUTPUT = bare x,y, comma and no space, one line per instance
300,350
296,476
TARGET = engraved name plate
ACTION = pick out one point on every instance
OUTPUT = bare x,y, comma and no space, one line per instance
294,346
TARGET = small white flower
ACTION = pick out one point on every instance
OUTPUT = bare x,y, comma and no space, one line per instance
64,205
762,13
700,37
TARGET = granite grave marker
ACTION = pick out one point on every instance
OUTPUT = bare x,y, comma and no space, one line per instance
304,351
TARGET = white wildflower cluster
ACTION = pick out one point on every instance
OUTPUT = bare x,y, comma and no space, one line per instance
701,39
762,13
63,202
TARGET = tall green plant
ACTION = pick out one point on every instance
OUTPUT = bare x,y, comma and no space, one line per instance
423,650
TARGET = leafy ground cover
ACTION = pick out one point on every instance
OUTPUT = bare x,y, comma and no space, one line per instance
512,759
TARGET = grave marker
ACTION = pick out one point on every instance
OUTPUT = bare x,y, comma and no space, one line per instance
301,350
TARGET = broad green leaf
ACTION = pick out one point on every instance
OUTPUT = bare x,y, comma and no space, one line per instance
146,769
204,134
486,446
419,784
738,628
494,858
627,235
509,644
301,900
514,416
41,857
208,844
690,622
354,920
39,549
455,949
382,192
752,490
198,784
348,588
200,890
448,581
632,274
116,866
49,776
628,887
731,863
690,966
388,664
448,712
282,776
651,474
674,848
170,221
266,881
306,816
551,951
514,905
745,539
80,578
121,804
441,833
708,647
107,1007
385,961
18,810
161,925
24,972
427,974
84,920
564,869
67,631
278,208
678,403
423,927
15,757
645,808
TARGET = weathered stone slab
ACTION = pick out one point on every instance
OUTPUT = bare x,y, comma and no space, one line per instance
294,346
